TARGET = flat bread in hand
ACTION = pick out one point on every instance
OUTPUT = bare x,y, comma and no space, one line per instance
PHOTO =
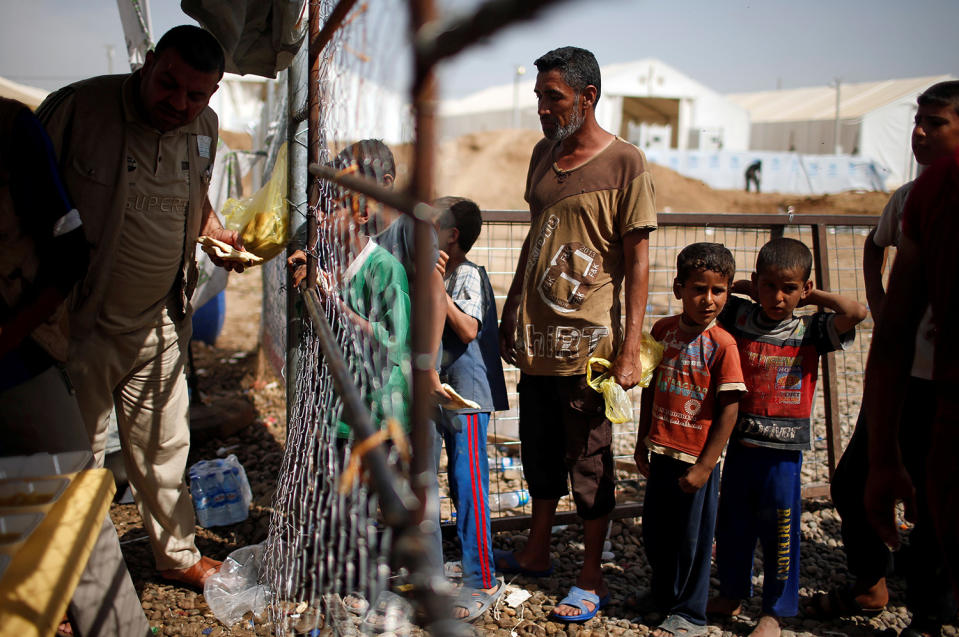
221,250
456,401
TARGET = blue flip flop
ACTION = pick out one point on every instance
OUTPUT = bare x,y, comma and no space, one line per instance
577,598
514,568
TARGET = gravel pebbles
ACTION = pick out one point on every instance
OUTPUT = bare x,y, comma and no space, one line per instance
176,611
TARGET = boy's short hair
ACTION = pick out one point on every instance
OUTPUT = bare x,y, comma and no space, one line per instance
705,256
463,214
196,46
785,254
577,66
941,94
373,159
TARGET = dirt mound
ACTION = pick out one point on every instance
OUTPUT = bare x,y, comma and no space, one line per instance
490,168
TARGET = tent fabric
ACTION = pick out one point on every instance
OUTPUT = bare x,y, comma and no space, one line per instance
648,89
28,95
791,173
258,37
876,120
819,102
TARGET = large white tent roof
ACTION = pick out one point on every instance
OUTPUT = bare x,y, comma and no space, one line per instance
647,77
819,102
22,93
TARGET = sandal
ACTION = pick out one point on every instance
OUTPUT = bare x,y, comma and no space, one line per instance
477,601
679,626
577,598
838,602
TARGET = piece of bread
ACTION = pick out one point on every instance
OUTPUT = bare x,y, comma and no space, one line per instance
220,250
456,401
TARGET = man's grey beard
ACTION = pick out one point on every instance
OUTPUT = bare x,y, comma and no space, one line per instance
575,122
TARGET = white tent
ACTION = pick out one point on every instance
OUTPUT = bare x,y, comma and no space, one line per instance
647,102
875,121
22,93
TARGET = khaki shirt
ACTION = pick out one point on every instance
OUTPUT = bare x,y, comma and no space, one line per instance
574,274
91,132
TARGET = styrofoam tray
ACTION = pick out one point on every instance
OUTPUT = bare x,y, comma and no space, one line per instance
44,464
15,528
30,494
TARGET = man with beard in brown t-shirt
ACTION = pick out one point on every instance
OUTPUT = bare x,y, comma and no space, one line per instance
592,207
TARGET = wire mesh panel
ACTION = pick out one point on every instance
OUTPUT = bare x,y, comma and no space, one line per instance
498,249
327,553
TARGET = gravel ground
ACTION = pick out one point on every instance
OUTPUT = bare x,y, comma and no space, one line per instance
230,370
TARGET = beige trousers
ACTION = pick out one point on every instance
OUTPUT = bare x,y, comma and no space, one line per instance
142,375
40,415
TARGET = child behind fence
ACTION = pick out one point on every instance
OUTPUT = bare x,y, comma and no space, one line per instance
760,491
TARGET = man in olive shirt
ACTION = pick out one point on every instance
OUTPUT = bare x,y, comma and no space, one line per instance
137,152
592,207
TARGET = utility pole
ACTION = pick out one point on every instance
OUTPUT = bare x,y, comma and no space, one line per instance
835,129
518,72
110,51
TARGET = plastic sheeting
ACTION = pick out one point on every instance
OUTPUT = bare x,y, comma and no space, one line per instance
258,36
781,172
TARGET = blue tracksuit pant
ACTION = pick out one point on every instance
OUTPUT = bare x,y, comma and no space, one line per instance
678,534
465,437
760,499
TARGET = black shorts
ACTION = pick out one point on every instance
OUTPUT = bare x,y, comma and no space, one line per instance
563,432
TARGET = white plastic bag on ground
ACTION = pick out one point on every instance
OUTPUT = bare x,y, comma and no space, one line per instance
234,590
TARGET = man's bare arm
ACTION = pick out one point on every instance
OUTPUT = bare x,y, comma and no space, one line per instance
507,326
628,368
872,259
887,371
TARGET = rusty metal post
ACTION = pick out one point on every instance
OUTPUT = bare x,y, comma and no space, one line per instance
431,588
296,179
830,388
313,150
424,97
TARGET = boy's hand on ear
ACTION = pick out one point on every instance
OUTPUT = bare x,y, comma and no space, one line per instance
808,297
441,263
744,286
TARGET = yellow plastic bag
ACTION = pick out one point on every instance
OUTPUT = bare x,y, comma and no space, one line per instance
619,408
263,220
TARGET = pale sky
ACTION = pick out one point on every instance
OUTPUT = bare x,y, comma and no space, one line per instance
728,45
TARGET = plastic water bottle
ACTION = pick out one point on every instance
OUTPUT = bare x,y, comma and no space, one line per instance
508,500
217,499
201,500
507,463
233,505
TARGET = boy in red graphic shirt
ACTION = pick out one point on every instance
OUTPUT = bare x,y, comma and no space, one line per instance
683,428
779,353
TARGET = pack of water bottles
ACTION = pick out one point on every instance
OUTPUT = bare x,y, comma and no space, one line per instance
221,491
